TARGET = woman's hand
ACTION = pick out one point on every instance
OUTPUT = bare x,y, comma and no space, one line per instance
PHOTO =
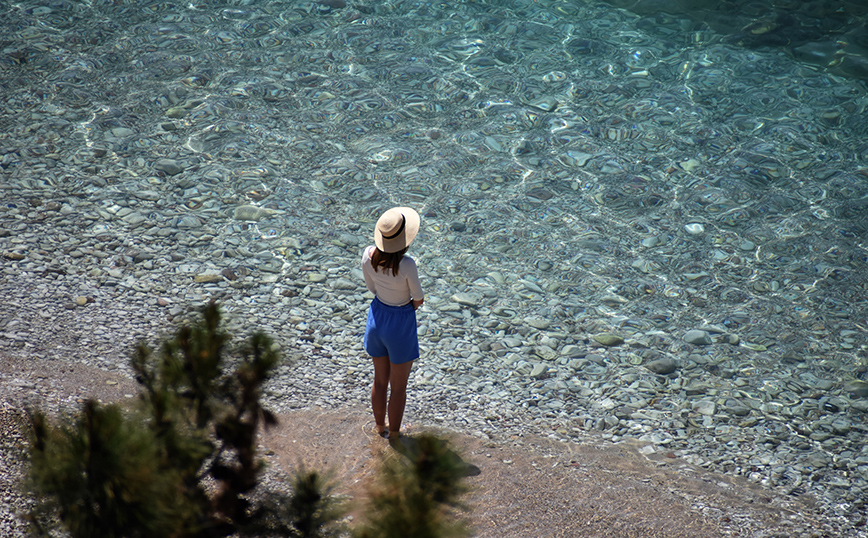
417,304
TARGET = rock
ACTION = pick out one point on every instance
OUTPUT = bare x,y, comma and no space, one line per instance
251,213
169,166
271,265
334,4
596,359
689,165
496,277
537,323
695,388
466,299
734,407
189,222
857,388
732,339
149,195
546,353
697,337
823,384
841,426
538,370
142,256
344,284
571,350
608,339
134,219
81,300
704,407
531,286
350,240
792,355
662,366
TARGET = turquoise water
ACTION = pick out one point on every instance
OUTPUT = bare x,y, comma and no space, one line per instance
643,173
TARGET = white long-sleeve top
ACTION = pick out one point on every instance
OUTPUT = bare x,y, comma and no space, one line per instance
392,290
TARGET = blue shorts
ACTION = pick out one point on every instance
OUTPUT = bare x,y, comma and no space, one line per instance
391,331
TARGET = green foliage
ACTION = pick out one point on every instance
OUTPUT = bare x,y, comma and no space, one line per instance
418,493
310,511
106,475
311,506
142,472
111,472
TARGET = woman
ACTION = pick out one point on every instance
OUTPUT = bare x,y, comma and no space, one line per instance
390,334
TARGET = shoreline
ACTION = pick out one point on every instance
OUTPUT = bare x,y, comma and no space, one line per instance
527,485
459,389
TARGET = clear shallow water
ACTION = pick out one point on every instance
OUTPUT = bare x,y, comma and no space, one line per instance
530,127
618,180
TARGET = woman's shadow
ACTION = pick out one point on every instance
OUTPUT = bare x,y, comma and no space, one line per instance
420,449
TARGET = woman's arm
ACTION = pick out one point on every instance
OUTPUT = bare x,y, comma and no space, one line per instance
411,273
368,271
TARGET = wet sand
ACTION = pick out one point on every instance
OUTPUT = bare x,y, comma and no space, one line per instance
519,485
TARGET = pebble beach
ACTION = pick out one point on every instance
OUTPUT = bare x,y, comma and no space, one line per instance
636,226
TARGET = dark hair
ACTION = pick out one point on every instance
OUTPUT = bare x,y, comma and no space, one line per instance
389,260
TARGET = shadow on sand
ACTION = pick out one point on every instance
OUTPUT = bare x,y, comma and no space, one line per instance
409,447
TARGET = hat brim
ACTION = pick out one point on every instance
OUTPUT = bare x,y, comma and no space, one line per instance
411,229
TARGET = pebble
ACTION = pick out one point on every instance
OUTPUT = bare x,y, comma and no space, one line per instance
538,323
857,388
538,370
169,166
344,284
251,213
704,407
466,299
662,366
697,337
608,339
733,407
148,195
596,359
546,353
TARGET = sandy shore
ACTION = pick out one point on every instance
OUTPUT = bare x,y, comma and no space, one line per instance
521,485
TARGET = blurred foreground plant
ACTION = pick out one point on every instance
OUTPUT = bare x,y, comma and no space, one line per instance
182,464
417,494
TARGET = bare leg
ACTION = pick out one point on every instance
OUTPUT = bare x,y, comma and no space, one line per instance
399,374
382,367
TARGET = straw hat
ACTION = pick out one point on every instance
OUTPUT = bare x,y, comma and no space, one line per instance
396,229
